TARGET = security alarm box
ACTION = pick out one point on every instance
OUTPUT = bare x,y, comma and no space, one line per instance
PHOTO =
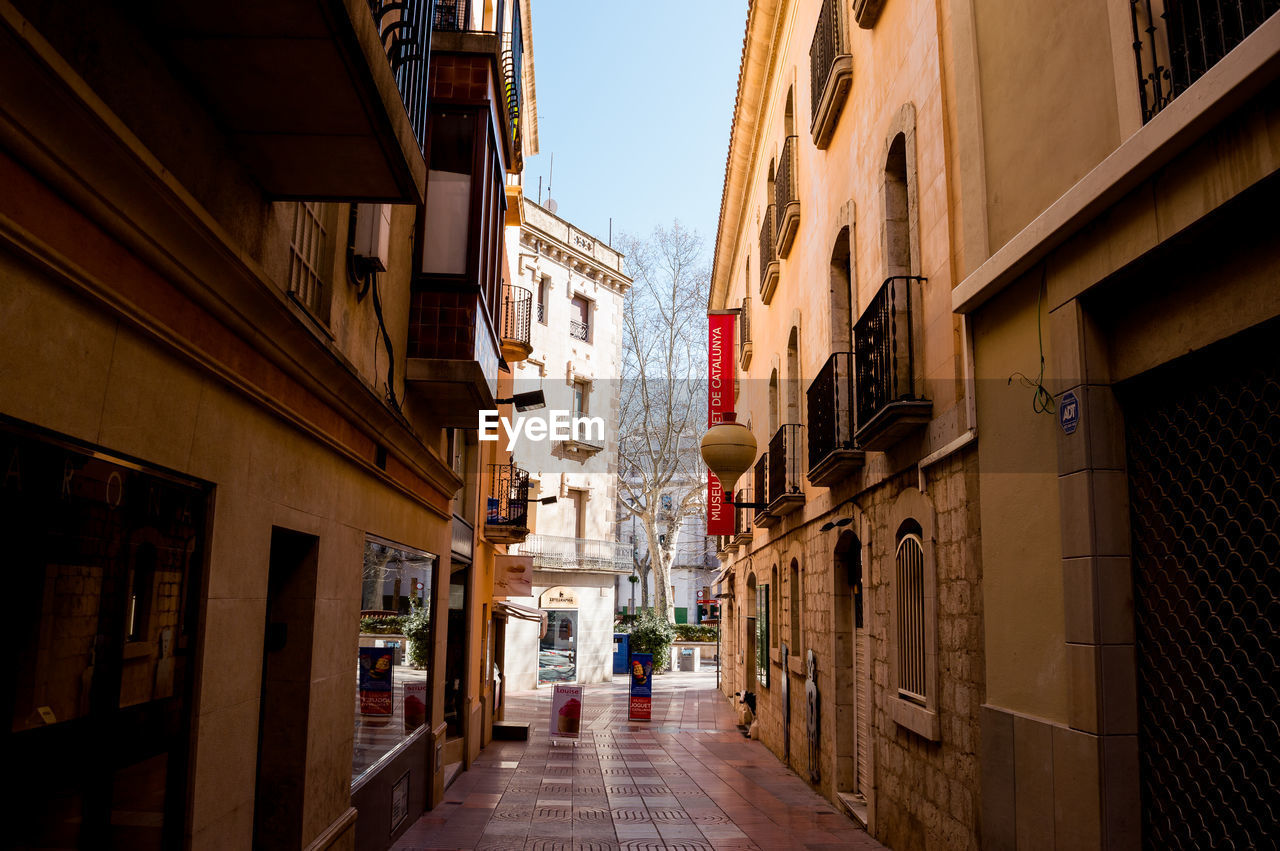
373,234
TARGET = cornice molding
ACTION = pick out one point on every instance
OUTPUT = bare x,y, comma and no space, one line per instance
756,73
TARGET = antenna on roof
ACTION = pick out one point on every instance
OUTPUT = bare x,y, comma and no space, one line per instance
539,190
551,205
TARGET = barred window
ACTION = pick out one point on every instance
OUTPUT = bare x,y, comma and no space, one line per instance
311,255
909,587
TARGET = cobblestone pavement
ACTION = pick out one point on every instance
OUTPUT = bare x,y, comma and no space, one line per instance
687,780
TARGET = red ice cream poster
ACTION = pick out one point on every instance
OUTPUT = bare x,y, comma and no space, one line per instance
566,711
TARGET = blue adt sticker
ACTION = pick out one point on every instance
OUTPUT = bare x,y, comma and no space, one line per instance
1069,412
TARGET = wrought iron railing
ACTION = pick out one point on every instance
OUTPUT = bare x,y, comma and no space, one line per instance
517,307
453,16
542,313
577,330
508,503
768,252
761,478
828,43
1176,41
784,461
743,516
830,399
744,322
561,551
884,348
405,27
511,71
784,179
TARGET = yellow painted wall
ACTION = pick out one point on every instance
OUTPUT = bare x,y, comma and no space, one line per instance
1049,103
1021,538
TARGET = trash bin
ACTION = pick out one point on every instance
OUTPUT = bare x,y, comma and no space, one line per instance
621,652
688,660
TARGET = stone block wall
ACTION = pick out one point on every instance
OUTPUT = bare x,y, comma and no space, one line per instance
926,792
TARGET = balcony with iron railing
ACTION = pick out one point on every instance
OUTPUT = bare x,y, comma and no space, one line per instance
786,198
254,68
833,455
769,266
558,552
1176,43
742,522
891,401
785,471
516,319
462,28
578,330
760,482
744,334
506,519
830,72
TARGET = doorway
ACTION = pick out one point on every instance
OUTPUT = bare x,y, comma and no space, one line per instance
852,671
286,690
558,649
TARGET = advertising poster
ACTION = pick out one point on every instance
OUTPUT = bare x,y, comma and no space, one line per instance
640,706
720,355
566,711
415,705
375,680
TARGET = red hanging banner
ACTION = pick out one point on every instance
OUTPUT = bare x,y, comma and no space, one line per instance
720,400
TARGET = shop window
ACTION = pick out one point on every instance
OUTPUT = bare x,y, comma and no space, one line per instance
393,672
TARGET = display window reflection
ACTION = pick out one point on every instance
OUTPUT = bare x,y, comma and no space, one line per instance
393,659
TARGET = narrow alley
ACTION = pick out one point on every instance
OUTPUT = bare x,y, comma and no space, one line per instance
687,780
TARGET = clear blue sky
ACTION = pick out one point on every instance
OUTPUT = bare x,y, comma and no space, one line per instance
635,100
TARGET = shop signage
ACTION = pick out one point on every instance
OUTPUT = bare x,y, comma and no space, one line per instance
376,667
558,598
512,576
566,711
640,705
720,400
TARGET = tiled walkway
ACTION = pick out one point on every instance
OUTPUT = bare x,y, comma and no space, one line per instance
686,780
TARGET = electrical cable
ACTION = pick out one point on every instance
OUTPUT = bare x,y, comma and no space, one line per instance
1042,401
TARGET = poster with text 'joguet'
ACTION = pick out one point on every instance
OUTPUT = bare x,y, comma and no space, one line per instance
566,711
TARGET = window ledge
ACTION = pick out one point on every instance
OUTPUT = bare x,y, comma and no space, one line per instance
916,718
796,665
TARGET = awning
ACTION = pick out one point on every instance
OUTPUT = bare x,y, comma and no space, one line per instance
717,592
523,613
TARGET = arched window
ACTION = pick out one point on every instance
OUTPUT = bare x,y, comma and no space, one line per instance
897,209
793,376
773,406
797,604
909,587
841,294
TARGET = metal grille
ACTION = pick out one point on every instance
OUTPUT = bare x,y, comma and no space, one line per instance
577,330
509,503
406,35
1176,41
884,347
308,254
826,46
767,251
830,398
910,591
784,461
1204,467
784,186
744,323
512,78
761,482
517,304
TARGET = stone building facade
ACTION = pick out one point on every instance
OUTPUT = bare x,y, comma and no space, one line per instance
860,560
222,387
578,288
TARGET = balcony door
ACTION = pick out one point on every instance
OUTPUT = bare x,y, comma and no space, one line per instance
558,648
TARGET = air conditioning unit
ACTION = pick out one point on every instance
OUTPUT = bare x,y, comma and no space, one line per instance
373,234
